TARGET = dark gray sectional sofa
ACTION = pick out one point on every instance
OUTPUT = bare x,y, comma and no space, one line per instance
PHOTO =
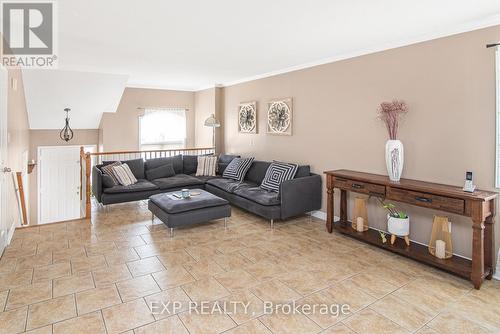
297,196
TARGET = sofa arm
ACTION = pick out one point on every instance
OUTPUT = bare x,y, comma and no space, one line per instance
97,183
300,195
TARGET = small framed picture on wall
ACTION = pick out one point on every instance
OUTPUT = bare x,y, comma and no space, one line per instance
247,117
279,117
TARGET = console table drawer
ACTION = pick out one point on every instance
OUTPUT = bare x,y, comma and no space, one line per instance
360,187
427,200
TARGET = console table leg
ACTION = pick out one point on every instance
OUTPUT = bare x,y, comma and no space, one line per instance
489,244
477,253
329,209
343,206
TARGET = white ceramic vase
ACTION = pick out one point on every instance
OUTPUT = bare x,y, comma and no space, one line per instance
398,226
394,159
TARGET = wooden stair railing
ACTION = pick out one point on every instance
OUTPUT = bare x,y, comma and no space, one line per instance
88,159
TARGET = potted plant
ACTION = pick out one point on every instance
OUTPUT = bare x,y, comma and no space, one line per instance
398,222
389,113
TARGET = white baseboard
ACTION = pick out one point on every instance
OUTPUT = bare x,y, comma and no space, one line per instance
318,214
11,232
322,215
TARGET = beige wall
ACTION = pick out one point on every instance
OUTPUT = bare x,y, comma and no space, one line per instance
18,137
51,138
120,130
207,102
449,86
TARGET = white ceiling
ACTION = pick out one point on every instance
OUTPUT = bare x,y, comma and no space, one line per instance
195,44
88,95
198,43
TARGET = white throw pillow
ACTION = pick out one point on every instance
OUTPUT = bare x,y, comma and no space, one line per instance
207,166
124,175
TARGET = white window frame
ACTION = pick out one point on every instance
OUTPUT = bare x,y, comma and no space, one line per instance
163,145
497,131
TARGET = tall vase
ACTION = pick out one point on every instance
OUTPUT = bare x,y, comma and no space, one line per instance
394,159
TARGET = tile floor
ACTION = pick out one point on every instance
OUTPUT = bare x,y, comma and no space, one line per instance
104,277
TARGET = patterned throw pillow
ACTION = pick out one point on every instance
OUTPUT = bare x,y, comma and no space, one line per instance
207,166
237,168
277,173
108,170
124,175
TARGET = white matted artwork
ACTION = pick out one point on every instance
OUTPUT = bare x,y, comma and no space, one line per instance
279,117
247,117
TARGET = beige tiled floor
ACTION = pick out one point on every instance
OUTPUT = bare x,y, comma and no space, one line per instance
101,277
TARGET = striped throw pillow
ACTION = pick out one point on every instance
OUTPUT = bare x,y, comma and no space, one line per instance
277,173
124,175
108,170
237,168
206,166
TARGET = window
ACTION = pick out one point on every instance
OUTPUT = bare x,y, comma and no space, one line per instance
162,129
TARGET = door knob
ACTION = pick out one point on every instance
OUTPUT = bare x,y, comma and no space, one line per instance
7,170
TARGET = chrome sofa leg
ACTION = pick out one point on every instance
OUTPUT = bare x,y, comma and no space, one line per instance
171,232
152,218
272,224
225,222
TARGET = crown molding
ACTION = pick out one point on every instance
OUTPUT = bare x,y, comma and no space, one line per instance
489,21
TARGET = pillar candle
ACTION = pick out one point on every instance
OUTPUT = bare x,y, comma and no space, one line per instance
440,249
360,224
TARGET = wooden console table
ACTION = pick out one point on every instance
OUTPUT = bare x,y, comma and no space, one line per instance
479,206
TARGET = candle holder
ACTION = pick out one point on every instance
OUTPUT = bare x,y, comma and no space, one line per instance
360,215
440,244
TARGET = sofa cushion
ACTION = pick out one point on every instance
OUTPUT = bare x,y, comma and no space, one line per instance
140,185
175,161
256,194
204,178
223,162
257,171
189,164
137,167
178,181
302,171
227,185
107,181
159,172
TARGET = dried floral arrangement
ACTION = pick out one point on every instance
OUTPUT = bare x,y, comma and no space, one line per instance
389,113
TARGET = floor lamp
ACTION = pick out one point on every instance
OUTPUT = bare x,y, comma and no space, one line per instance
213,123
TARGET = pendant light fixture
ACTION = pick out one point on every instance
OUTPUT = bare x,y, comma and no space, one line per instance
66,133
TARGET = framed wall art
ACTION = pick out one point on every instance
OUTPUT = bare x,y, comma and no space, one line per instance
279,117
247,117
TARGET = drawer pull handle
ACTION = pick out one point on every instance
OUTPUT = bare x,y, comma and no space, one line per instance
423,199
357,186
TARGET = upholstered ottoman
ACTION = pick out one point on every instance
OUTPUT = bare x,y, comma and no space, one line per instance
175,212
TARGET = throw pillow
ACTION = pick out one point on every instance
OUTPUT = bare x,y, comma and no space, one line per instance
124,175
237,168
277,173
206,166
160,172
224,160
107,181
108,170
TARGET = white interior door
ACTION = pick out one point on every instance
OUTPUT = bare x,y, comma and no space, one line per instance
4,170
58,183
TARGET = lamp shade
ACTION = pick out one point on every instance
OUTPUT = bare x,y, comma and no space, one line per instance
212,122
